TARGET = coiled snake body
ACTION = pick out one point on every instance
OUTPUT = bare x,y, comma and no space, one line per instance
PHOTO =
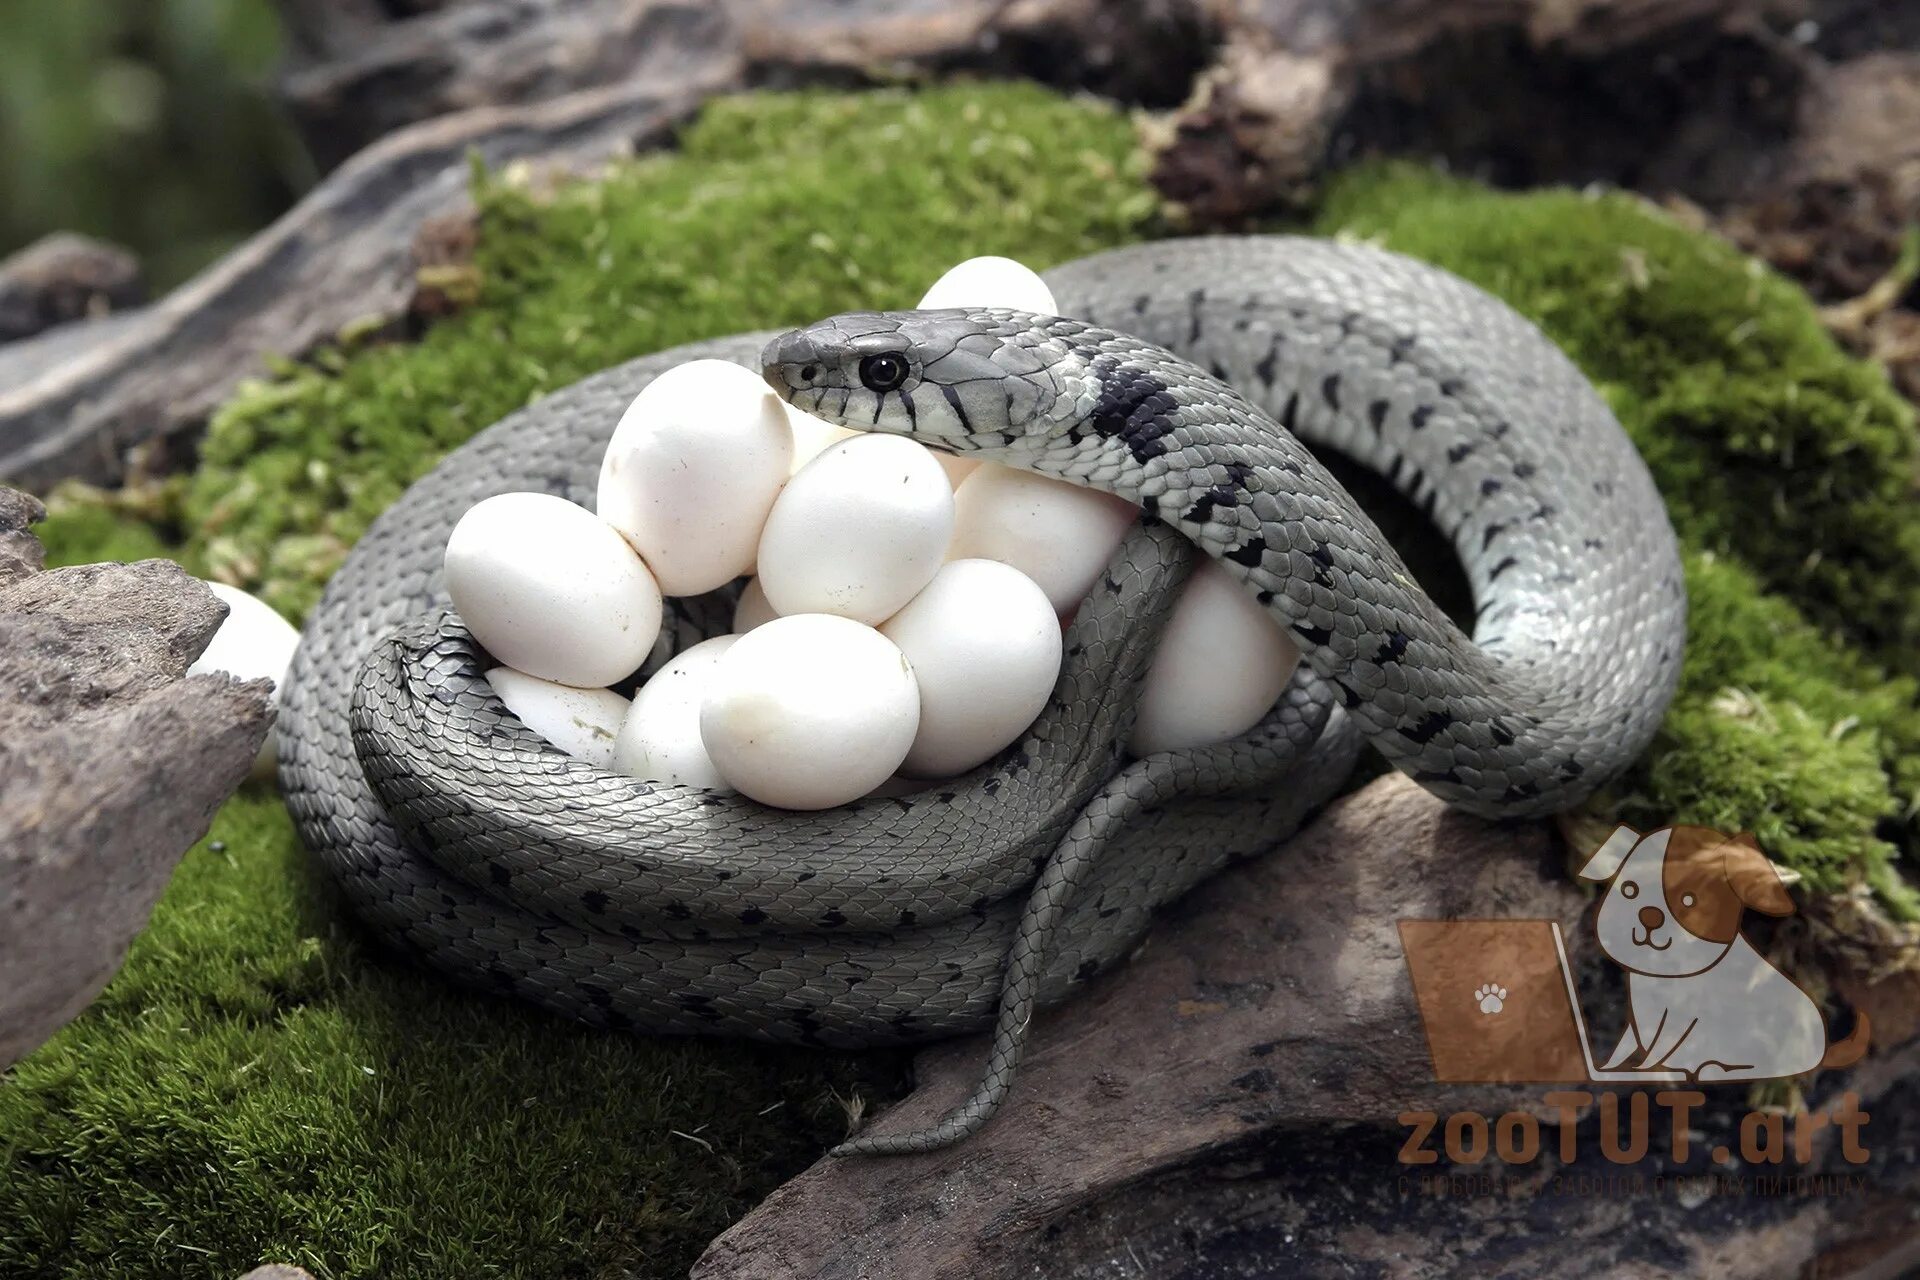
468,841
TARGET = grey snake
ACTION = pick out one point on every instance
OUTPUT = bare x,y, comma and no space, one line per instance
1190,380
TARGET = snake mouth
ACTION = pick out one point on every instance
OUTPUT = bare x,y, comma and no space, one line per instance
1646,940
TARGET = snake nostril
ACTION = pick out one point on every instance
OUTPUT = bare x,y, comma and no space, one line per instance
806,374
1652,917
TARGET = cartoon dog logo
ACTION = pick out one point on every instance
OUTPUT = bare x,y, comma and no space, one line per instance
1703,1000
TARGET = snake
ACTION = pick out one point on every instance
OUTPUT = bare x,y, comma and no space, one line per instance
1193,377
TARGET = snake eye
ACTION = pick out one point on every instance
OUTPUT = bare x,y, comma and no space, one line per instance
883,372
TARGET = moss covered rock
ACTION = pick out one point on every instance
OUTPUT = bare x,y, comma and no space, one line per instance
261,1082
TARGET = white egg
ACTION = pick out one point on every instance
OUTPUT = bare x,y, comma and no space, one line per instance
984,644
810,711
253,642
692,470
550,589
660,741
811,436
991,282
1061,535
751,609
859,531
581,722
1221,665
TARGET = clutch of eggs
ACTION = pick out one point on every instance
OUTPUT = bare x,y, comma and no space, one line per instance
902,614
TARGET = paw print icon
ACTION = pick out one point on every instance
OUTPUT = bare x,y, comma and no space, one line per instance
1491,997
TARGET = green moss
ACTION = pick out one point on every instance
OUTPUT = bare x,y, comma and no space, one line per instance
215,1108
255,1084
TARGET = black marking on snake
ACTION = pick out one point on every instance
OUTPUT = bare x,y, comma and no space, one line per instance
1291,413
1571,768
1087,969
1449,776
1431,726
1596,544
1520,791
1490,486
1330,391
597,993
1493,531
959,410
1322,556
1217,369
1377,415
1134,407
1451,387
677,910
499,977
1265,367
1498,431
1194,300
831,919
1141,303
594,901
1523,470
1393,649
1501,735
753,915
1393,468
1238,473
1501,568
1544,512
906,402
1311,634
1458,453
1417,420
498,873
723,875
1248,553
908,919
1264,597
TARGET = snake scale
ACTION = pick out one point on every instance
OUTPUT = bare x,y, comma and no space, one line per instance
1191,380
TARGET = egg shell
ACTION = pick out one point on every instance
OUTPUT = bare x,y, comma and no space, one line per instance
984,644
1222,663
859,531
253,643
548,588
991,282
692,470
751,609
1059,534
660,740
810,711
811,436
581,722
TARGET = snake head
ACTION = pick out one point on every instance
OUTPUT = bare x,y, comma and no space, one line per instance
967,381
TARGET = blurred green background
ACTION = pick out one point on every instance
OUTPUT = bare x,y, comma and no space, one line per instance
150,123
